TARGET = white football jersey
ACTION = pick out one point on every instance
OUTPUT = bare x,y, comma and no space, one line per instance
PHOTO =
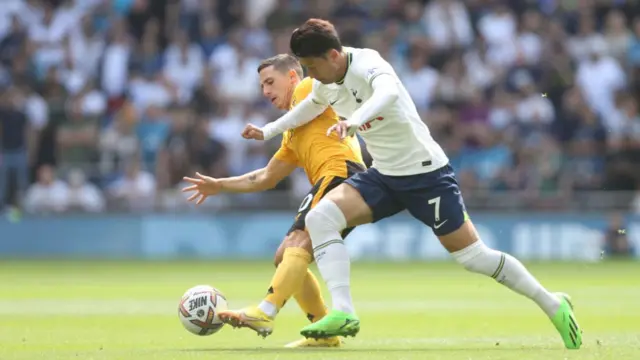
397,139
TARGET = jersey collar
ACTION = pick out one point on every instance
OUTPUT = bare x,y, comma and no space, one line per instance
349,58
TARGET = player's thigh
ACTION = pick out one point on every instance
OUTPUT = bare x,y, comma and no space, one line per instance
353,207
297,235
365,198
295,238
461,238
307,203
435,199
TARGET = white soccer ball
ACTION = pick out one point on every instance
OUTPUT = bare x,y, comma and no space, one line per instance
198,310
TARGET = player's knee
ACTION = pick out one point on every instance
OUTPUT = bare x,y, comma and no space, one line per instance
296,239
474,257
326,215
304,242
277,259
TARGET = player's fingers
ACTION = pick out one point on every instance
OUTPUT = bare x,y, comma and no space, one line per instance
192,180
201,176
190,188
342,131
202,199
331,129
192,197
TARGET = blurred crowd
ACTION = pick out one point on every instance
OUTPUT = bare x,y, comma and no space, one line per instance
107,104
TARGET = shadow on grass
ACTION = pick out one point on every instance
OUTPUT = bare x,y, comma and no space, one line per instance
414,349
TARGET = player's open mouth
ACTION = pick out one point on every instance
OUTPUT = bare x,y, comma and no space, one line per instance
273,100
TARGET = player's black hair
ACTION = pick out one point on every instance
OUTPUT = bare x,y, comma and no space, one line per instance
282,63
314,38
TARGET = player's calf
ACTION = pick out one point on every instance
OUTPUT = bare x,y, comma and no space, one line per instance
296,239
476,257
309,295
341,207
467,248
291,268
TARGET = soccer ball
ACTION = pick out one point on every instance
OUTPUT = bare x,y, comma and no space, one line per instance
198,310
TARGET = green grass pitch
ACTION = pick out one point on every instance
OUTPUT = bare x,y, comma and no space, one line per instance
128,310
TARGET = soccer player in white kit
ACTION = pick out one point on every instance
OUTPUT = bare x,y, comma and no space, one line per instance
410,171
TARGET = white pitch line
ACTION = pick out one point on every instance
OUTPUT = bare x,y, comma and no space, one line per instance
551,341
84,307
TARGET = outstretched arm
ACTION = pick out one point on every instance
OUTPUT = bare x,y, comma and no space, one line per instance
385,93
307,110
259,180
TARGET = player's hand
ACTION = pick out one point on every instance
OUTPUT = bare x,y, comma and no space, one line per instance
202,188
252,132
342,129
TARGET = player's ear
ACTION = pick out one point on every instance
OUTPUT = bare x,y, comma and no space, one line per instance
293,76
333,54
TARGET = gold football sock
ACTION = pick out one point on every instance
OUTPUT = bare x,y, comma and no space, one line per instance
289,276
309,297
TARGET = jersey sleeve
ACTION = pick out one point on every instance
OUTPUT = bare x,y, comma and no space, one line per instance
285,154
385,88
302,113
302,91
318,95
372,65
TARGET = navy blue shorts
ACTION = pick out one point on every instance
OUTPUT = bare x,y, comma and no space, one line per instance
433,198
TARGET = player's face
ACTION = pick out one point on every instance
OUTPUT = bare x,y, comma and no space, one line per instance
277,86
325,68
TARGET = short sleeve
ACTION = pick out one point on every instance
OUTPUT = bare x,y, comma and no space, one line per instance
318,93
371,65
302,90
285,154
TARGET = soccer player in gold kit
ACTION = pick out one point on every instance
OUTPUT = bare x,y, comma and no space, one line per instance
326,160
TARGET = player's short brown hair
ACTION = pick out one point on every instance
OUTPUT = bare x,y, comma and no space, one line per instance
282,63
314,38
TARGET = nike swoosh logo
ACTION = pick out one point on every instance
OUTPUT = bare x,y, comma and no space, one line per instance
347,322
333,102
438,226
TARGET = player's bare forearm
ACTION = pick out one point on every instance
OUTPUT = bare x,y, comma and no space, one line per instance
259,180
254,181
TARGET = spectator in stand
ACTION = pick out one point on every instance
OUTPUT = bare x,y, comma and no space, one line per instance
83,196
48,194
14,141
537,97
616,242
135,190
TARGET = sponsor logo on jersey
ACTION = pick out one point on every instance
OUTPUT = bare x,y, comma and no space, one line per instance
366,126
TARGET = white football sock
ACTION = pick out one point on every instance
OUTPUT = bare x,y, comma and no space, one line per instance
509,272
268,308
324,223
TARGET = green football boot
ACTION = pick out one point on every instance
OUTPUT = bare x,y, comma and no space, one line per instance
336,323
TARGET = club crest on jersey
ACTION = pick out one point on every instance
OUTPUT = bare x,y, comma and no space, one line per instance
355,95
366,126
289,135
